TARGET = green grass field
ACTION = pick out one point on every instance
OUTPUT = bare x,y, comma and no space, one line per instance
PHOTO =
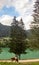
12,63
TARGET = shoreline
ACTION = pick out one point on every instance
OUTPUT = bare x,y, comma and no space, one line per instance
30,60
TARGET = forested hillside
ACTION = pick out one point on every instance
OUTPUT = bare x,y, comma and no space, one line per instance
4,30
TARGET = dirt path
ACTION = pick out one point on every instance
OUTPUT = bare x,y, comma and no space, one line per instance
30,60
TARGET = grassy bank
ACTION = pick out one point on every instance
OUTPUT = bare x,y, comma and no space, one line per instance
11,63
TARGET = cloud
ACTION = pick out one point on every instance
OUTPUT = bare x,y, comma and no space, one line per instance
24,7
6,19
21,5
27,20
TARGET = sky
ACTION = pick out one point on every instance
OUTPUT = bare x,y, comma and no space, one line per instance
19,8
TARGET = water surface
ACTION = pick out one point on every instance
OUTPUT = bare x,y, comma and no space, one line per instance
30,54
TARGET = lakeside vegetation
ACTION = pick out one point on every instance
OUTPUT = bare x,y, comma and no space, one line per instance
13,63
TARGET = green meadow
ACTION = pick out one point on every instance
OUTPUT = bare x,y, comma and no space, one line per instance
13,63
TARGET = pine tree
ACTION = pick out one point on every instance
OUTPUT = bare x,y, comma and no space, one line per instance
18,38
21,24
35,25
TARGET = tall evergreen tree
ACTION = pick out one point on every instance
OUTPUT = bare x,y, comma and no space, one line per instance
21,24
18,43
35,25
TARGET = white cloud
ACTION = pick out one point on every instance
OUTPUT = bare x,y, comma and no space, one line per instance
6,19
21,5
24,7
27,20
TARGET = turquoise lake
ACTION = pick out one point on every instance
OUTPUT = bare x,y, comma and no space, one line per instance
30,54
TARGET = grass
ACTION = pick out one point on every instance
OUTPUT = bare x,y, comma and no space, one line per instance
13,63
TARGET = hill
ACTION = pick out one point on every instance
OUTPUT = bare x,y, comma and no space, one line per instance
4,30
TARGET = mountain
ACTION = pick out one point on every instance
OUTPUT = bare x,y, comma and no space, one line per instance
4,30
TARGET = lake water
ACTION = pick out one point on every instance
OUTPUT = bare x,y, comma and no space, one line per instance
30,54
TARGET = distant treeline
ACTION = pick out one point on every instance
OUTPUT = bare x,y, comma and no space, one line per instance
4,30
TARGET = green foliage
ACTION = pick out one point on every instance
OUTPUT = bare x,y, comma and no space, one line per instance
35,27
4,41
12,63
18,37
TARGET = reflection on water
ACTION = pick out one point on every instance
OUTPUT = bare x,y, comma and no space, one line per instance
6,55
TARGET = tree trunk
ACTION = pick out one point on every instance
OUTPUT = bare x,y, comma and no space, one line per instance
16,55
19,56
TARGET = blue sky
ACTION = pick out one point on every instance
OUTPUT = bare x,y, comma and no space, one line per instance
9,11
18,8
